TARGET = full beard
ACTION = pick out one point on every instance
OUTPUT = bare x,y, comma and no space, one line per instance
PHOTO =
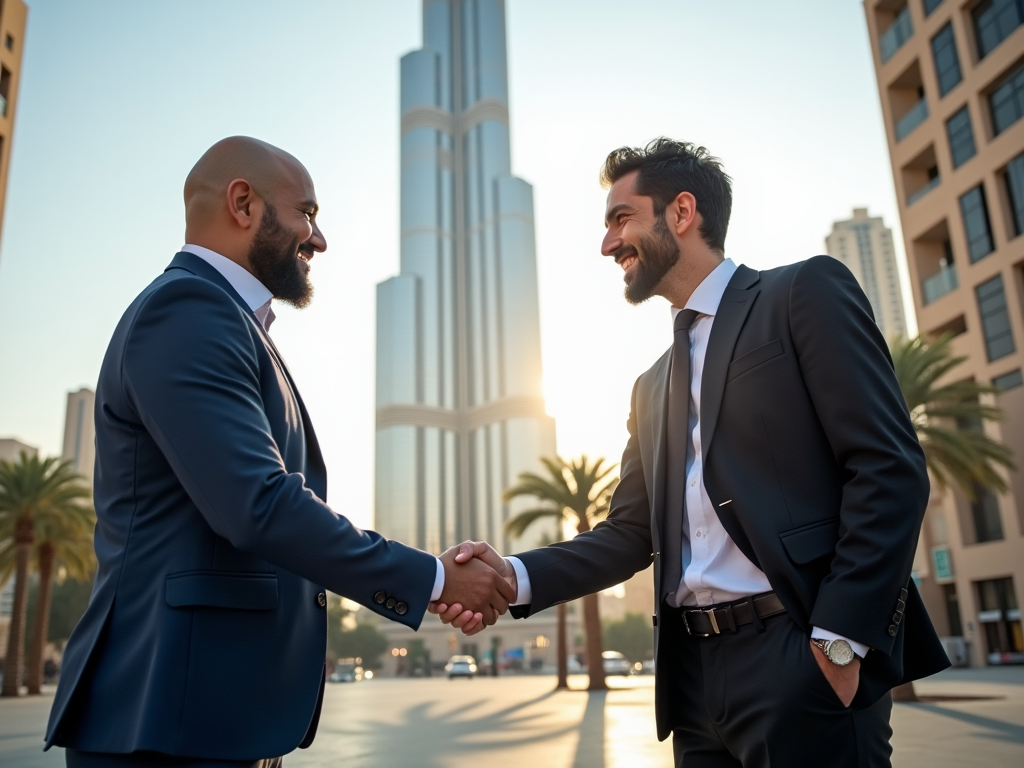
274,258
660,252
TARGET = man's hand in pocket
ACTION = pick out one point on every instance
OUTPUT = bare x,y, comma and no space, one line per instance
844,680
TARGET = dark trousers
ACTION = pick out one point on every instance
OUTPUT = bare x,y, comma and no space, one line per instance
756,700
78,759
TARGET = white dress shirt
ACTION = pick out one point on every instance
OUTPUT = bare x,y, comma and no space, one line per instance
257,297
714,570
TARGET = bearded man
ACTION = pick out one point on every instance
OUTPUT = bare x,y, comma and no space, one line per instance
204,641
773,475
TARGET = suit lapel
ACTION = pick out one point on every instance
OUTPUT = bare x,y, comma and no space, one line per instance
732,313
655,418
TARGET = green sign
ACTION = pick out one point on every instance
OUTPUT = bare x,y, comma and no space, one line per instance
943,565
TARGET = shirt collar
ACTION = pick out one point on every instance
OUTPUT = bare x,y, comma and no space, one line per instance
708,295
253,292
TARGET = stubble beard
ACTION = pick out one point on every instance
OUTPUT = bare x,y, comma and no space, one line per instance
660,253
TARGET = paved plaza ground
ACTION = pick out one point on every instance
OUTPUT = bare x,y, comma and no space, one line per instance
520,721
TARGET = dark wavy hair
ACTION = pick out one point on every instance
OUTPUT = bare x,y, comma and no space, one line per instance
666,168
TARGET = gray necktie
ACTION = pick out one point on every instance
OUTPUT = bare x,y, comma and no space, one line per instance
678,427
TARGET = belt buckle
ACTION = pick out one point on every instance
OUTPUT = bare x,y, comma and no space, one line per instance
710,613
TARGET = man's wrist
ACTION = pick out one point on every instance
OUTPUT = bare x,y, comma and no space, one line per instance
435,593
859,649
524,591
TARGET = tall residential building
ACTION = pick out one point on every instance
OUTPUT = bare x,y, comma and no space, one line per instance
80,432
951,81
864,244
13,14
460,411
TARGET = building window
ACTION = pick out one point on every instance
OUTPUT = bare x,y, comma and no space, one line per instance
1007,101
931,5
961,137
988,525
994,21
947,63
893,38
1015,192
952,609
995,320
1010,380
979,233
1000,616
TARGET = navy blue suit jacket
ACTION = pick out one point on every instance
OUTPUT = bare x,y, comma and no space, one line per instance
206,631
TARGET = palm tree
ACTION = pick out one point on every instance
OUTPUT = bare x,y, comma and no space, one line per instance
34,494
578,492
64,543
960,453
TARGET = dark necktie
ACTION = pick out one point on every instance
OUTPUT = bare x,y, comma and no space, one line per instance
678,427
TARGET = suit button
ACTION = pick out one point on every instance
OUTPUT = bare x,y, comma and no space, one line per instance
401,608
900,605
380,597
892,630
897,617
321,599
391,602
903,594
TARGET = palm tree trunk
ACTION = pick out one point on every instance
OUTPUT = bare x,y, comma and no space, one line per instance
24,535
42,627
904,692
563,648
592,625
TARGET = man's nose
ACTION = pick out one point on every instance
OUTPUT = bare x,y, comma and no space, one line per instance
611,243
317,240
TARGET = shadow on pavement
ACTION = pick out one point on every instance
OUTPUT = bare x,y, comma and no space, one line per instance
590,750
999,729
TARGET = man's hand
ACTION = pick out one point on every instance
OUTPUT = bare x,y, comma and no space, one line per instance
844,680
469,621
474,584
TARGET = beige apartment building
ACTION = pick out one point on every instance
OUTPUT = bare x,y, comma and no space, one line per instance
951,83
13,14
80,432
864,245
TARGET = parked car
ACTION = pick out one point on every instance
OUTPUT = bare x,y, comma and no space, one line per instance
616,664
460,666
346,671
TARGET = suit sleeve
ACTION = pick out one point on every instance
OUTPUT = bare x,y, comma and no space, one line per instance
192,374
613,551
849,376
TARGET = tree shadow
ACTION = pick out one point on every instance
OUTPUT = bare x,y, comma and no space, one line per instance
590,750
996,729
427,737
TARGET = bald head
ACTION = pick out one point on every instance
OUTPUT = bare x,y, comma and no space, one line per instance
255,204
266,168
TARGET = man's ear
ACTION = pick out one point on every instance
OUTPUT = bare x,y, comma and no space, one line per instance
682,213
241,198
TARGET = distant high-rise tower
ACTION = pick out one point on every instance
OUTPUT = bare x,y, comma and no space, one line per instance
13,14
460,412
864,244
80,432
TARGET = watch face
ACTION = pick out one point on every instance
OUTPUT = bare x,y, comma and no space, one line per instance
840,653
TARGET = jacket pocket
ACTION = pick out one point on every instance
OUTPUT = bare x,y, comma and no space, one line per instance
809,542
217,589
754,358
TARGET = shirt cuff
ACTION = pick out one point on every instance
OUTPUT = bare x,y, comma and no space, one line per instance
817,633
438,582
525,594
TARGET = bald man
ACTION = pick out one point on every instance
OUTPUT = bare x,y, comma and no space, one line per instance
204,640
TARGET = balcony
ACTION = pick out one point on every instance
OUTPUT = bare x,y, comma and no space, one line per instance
896,35
937,286
924,190
917,115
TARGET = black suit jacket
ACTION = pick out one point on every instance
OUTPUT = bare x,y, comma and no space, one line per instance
810,460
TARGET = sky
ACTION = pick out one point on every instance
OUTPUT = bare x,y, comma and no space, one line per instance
120,98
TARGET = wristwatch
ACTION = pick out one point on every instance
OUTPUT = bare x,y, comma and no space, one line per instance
838,652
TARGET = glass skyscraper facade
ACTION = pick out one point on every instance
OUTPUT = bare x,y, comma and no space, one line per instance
460,411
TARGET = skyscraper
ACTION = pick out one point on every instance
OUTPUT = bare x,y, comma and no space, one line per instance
460,412
951,82
864,244
80,432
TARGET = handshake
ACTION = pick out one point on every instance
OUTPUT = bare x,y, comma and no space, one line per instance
479,585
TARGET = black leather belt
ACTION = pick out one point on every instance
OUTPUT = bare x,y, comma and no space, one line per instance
726,617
